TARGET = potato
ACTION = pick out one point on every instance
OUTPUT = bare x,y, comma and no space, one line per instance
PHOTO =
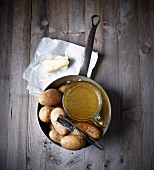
53,116
44,113
50,97
62,88
87,128
56,137
73,142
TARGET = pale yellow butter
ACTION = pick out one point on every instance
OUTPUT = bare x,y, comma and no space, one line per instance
59,62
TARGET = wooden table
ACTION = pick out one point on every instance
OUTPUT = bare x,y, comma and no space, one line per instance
125,69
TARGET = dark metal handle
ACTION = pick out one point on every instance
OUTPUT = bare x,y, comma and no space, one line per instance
89,47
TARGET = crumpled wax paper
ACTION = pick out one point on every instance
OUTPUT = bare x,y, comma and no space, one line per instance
49,48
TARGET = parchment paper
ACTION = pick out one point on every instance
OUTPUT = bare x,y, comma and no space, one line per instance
48,48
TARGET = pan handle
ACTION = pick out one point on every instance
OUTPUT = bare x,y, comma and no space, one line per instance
89,47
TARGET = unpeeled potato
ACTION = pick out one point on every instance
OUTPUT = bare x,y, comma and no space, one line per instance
73,142
62,88
50,97
56,137
53,116
87,128
44,113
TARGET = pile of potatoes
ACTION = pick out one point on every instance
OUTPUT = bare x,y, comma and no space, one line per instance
51,100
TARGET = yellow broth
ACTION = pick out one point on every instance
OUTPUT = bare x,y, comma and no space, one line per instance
81,100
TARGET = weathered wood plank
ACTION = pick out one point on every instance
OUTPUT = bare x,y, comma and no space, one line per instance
5,52
58,19
76,22
17,123
146,40
36,140
129,80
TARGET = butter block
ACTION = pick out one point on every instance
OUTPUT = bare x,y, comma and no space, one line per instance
59,62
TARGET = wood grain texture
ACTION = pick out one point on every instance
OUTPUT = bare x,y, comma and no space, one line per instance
36,140
5,52
17,122
58,24
129,81
146,50
125,69
76,22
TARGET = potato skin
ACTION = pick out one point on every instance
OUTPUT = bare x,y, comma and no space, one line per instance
62,88
50,97
44,113
87,128
56,137
73,142
53,116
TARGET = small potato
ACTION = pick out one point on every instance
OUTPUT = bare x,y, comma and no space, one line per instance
73,142
62,88
87,128
56,137
44,113
50,97
53,116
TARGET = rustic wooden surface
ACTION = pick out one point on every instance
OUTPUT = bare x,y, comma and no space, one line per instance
125,69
